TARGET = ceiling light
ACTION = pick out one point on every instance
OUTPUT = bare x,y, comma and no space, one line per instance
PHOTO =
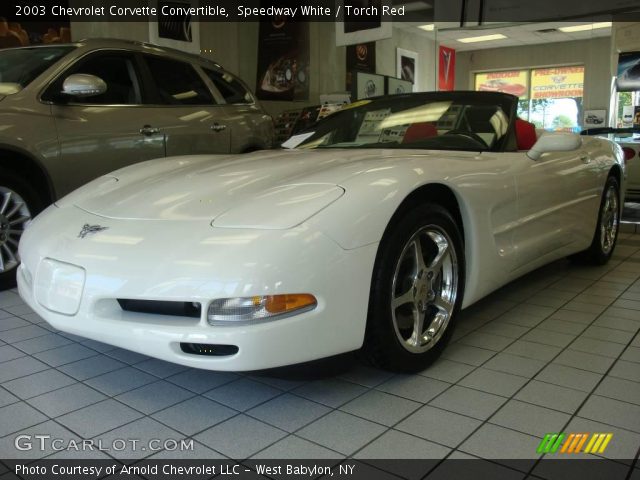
428,27
583,28
482,38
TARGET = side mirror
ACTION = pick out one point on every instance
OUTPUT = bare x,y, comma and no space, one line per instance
83,85
554,142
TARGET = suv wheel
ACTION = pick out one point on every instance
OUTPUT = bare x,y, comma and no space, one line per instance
18,204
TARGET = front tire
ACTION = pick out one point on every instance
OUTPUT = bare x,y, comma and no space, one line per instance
18,204
416,291
606,234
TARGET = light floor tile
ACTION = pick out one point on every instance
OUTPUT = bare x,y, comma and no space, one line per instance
467,401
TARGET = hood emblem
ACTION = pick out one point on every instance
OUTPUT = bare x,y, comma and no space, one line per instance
89,229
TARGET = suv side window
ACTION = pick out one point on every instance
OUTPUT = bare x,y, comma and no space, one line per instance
116,69
230,88
177,83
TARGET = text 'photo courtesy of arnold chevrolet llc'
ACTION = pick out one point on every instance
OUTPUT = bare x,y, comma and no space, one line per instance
363,239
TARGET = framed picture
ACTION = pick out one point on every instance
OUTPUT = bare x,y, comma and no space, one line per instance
367,85
360,57
628,79
181,32
407,65
397,86
595,118
354,27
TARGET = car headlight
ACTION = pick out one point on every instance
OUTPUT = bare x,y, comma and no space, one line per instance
233,311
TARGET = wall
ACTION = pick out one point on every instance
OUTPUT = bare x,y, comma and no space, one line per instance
594,54
415,42
235,46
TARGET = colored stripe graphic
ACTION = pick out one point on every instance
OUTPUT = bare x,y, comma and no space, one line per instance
550,443
574,443
598,443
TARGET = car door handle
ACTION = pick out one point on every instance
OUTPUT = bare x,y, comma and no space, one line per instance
218,127
585,158
149,130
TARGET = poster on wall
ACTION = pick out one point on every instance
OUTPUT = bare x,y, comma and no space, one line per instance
180,31
561,82
594,118
628,78
407,66
367,85
283,60
354,27
446,68
360,57
514,82
15,32
396,86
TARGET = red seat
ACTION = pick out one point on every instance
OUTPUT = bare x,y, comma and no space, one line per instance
419,131
525,134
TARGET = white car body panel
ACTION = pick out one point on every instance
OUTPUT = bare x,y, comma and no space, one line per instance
175,232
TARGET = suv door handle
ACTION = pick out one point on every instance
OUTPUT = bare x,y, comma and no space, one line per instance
218,127
585,158
149,130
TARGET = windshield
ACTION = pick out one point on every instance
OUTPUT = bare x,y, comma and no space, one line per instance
474,121
22,65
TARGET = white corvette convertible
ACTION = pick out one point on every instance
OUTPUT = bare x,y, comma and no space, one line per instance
371,231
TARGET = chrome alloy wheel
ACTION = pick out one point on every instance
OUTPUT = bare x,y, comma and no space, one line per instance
14,218
424,289
609,220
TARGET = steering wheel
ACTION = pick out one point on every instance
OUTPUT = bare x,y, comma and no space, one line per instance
470,135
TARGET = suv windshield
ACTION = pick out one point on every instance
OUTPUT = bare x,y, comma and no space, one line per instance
474,121
22,65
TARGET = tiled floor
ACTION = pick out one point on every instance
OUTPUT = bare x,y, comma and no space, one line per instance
556,351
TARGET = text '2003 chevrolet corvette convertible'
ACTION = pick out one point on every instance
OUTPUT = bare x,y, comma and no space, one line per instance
372,230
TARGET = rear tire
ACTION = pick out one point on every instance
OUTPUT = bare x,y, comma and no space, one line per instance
19,203
606,234
416,290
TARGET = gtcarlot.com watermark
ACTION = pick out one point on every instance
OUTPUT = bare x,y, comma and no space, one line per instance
46,443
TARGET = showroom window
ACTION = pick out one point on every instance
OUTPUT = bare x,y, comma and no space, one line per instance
177,83
230,88
551,98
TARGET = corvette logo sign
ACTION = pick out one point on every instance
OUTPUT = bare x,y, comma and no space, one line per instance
90,229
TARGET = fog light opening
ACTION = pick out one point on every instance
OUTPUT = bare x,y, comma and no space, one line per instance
212,350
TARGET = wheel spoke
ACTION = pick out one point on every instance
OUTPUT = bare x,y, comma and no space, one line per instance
403,299
417,250
10,255
16,207
443,305
436,324
443,250
418,325
1,261
20,220
5,202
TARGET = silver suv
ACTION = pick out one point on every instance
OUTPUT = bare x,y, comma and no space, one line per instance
70,113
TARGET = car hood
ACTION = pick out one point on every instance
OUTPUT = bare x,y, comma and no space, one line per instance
231,188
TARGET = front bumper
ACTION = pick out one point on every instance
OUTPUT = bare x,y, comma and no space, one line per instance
185,261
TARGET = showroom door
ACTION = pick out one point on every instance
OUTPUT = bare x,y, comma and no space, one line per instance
185,109
549,217
105,132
